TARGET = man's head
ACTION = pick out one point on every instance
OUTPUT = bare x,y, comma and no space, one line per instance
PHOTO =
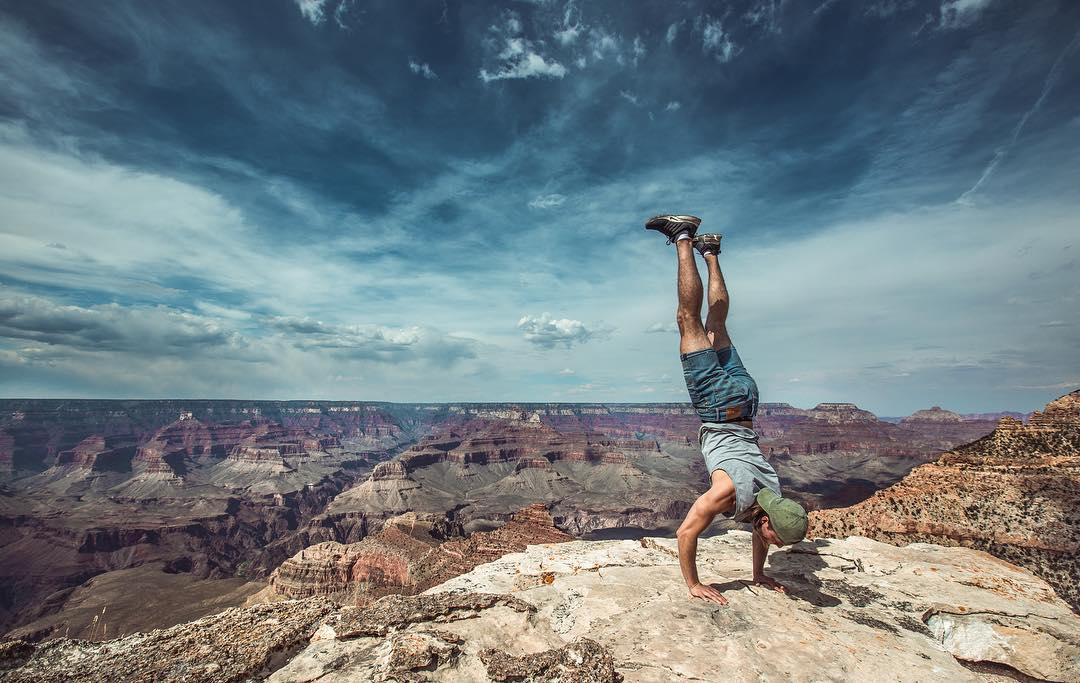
784,521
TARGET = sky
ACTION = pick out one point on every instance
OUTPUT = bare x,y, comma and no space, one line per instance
439,201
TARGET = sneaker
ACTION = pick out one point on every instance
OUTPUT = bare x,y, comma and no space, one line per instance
673,225
707,244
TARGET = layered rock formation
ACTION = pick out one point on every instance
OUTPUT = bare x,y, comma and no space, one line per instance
96,453
210,500
934,414
618,610
1014,493
7,453
230,489
409,555
483,471
837,413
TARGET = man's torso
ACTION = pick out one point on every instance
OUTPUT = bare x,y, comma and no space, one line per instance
733,448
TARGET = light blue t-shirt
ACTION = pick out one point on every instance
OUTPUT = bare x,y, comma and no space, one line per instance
734,449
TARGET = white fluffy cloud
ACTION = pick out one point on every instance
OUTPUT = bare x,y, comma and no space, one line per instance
547,332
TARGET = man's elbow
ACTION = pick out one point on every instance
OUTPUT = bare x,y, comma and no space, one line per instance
691,527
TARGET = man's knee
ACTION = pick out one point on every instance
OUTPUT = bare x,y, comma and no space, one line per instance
687,319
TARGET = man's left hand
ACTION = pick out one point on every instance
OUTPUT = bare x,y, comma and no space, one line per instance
770,582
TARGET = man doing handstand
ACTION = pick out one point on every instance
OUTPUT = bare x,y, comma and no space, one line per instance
744,484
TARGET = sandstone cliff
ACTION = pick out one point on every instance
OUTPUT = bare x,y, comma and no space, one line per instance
407,557
607,611
1014,493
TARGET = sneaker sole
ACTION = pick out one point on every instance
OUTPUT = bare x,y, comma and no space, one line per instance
671,225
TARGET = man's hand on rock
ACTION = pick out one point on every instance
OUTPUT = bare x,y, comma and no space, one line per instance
770,582
704,592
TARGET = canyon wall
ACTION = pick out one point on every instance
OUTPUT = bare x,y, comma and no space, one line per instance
1014,493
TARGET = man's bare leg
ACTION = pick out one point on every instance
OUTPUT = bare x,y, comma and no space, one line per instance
716,321
692,335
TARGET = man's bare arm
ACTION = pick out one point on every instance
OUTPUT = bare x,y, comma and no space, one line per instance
719,498
761,551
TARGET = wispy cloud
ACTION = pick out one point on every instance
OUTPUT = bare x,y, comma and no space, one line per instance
1070,386
570,28
422,69
674,105
715,40
666,328
376,342
960,13
313,10
1001,152
765,15
637,50
515,55
547,201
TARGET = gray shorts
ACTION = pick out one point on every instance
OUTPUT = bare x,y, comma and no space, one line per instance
734,449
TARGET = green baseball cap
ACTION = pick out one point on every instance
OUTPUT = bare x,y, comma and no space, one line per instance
786,517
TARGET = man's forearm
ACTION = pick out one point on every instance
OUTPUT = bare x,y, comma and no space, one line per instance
688,558
761,549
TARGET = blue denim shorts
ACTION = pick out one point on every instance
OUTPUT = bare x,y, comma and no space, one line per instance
720,387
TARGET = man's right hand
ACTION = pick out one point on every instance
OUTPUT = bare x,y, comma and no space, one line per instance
707,593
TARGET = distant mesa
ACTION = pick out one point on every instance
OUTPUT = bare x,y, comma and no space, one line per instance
841,413
935,414
780,410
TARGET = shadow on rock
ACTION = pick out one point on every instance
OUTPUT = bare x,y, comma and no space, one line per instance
796,567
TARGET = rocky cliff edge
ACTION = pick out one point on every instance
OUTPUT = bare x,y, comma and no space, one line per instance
618,610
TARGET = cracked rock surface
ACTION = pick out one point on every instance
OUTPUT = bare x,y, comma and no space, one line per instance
857,610
605,611
235,645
